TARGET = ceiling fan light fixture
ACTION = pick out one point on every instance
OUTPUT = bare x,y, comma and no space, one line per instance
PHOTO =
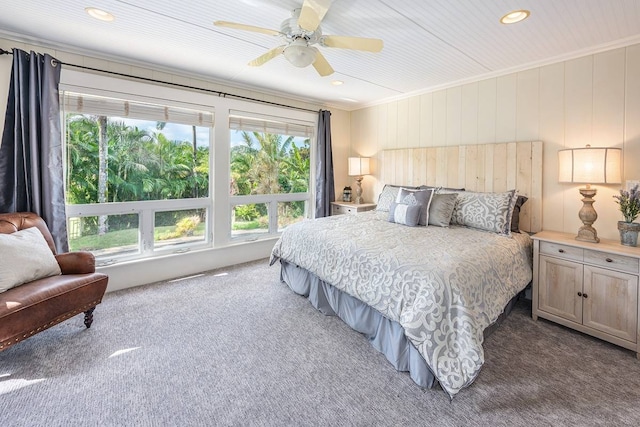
300,54
515,16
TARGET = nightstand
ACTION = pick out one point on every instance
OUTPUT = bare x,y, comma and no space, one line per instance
589,287
339,208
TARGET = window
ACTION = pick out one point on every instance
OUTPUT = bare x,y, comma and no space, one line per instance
269,173
137,175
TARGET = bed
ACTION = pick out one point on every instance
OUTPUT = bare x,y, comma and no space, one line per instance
425,296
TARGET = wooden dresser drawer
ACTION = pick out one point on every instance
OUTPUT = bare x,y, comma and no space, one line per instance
561,251
341,209
613,261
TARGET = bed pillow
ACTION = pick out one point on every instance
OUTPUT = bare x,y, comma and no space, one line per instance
515,217
441,209
448,190
25,256
402,213
388,195
485,211
417,197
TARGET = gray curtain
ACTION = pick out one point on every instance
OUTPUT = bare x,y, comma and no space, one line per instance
325,189
31,175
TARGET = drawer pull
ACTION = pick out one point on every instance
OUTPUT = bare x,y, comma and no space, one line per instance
561,251
579,294
608,260
585,296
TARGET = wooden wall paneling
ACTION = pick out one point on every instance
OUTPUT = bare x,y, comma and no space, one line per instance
477,168
392,125
511,165
506,93
527,105
471,167
469,114
431,166
499,167
578,82
552,114
523,179
489,157
462,168
420,165
454,115
441,166
453,170
608,98
403,124
487,101
480,167
407,167
383,125
386,165
632,112
426,120
536,205
440,118
413,131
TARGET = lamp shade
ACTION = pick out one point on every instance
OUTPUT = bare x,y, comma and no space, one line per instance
590,165
358,166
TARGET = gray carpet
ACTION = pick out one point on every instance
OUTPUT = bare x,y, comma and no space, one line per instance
237,347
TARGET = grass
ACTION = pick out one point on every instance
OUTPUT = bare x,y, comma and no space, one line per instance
124,238
114,239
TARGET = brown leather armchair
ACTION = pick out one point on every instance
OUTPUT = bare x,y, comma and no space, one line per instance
35,306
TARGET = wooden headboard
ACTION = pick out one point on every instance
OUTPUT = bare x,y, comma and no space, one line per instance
482,167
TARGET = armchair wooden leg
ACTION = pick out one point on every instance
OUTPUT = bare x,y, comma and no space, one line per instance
88,317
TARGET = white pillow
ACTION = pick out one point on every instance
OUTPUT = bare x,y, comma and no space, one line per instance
24,257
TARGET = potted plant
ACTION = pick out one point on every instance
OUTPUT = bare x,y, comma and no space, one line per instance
629,202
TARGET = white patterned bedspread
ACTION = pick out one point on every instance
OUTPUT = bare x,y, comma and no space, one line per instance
444,286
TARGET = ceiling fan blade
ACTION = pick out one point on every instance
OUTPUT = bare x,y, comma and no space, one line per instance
321,65
267,56
357,43
237,26
312,13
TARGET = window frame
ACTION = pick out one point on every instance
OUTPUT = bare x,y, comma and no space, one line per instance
219,202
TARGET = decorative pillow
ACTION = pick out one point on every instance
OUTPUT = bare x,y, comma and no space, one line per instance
515,217
448,190
404,214
441,209
485,211
417,197
25,256
388,195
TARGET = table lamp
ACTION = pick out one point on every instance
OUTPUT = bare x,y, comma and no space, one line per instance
589,165
358,166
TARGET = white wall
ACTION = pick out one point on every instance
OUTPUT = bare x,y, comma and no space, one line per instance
590,100
139,272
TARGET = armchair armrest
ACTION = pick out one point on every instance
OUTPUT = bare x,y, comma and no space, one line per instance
80,262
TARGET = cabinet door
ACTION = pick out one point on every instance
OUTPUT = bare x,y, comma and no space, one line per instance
611,302
559,283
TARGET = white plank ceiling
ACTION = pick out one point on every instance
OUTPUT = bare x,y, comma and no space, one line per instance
428,44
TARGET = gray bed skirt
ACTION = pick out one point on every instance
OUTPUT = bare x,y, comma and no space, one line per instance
385,335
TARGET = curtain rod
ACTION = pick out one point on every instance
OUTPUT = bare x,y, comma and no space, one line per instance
220,94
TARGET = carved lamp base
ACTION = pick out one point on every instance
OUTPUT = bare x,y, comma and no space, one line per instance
588,216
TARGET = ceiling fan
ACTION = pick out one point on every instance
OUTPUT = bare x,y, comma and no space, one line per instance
300,33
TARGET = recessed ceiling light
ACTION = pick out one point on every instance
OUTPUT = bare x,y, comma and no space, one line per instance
100,14
515,16
337,82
